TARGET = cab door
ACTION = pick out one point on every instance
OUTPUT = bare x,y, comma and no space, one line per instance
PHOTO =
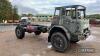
69,21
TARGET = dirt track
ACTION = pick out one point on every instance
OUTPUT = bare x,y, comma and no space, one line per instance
33,45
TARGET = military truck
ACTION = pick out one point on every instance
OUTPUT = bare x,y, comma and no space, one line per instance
69,24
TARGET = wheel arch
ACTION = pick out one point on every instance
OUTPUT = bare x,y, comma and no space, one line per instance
58,29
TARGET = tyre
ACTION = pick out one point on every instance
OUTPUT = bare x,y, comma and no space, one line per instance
20,33
43,29
59,42
37,33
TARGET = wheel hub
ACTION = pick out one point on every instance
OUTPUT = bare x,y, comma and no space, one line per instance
18,32
58,42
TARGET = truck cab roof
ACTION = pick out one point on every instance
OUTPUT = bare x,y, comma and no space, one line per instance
71,6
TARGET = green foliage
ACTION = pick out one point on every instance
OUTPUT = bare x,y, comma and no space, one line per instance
43,15
24,15
30,15
27,15
7,11
95,16
15,13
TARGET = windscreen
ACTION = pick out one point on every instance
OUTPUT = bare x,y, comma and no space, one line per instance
75,13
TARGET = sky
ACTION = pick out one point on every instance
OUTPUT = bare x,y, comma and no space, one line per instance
47,6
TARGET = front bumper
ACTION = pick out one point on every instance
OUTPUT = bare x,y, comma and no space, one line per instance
84,35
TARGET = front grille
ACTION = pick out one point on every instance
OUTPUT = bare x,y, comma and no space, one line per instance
85,30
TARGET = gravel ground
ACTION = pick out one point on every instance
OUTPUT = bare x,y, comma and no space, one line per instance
33,45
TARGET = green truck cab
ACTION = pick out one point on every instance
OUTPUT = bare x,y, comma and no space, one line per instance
69,24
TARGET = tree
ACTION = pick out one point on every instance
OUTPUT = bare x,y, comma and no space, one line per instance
30,15
15,13
95,16
27,15
24,15
6,10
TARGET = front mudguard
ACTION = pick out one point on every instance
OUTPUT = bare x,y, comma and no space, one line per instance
54,29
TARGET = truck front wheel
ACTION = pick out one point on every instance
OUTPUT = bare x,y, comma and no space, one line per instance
59,42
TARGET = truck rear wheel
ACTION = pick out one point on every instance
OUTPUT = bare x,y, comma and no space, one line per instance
37,33
59,42
20,33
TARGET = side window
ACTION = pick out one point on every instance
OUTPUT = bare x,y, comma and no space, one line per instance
57,12
63,12
80,14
